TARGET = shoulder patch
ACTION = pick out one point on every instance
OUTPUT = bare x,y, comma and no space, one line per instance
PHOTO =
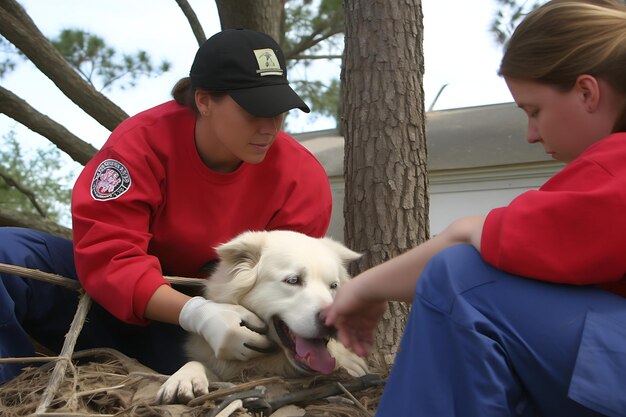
110,180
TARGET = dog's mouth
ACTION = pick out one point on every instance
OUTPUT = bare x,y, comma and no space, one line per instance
309,354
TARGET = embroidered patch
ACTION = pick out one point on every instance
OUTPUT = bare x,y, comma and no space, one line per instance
268,62
110,181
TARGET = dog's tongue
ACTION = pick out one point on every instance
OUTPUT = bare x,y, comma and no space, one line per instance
314,352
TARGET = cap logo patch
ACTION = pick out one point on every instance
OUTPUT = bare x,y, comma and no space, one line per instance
268,62
110,181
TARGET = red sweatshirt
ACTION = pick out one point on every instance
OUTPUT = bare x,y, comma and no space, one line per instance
573,229
146,206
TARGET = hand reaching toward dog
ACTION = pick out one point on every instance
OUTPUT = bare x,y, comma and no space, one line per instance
232,331
355,317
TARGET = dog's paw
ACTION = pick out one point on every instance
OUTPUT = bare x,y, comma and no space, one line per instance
346,359
184,385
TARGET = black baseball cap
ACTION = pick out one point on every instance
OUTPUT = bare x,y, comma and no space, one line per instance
250,67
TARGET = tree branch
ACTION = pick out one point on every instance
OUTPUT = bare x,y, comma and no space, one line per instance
17,27
12,182
319,35
196,27
31,221
302,57
21,111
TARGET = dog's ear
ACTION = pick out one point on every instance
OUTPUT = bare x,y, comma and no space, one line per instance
244,250
346,255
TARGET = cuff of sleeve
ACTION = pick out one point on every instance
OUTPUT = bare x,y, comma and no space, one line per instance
144,290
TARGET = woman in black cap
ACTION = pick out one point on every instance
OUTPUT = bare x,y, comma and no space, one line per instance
169,185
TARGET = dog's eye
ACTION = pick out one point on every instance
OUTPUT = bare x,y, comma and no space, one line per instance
293,280
334,286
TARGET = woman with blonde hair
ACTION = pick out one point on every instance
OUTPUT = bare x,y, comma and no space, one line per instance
522,312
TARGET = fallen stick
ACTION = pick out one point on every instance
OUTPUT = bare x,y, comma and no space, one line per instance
66,353
72,284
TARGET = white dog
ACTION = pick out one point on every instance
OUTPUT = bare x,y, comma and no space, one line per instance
287,279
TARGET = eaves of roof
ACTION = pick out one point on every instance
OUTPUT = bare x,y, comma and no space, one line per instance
457,139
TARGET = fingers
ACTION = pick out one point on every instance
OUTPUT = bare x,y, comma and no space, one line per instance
329,315
263,329
271,349
353,341
252,321
257,328
257,342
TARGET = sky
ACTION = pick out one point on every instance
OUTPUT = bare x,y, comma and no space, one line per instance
459,53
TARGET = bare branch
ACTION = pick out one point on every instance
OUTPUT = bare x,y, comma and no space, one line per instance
320,35
32,221
12,182
302,57
17,27
21,111
196,27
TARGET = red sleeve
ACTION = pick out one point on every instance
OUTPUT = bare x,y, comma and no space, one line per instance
308,206
112,202
569,231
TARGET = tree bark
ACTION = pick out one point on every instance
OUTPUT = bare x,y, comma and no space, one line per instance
260,15
32,221
19,29
21,111
192,18
386,201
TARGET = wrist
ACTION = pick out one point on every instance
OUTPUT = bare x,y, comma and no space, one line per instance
165,305
188,311
366,289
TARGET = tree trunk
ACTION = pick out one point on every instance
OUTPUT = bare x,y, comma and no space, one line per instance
386,201
260,15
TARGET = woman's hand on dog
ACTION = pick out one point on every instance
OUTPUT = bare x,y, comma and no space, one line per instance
227,328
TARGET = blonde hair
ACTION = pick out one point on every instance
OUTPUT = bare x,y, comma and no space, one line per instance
561,40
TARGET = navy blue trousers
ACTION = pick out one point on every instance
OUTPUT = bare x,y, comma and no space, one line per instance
483,343
31,309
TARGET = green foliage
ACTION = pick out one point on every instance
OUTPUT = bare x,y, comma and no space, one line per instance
324,98
102,65
307,21
510,13
9,52
43,173
313,28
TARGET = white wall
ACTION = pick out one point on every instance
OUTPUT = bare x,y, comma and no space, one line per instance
458,193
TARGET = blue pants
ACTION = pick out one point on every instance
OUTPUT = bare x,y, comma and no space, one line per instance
31,309
483,343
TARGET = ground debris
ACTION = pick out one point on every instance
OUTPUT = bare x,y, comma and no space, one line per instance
106,382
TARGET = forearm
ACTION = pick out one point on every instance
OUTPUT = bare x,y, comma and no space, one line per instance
395,279
165,305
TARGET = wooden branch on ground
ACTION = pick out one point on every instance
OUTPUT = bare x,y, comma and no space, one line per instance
66,353
39,275
72,284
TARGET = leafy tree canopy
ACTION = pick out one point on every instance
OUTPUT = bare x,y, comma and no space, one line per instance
100,64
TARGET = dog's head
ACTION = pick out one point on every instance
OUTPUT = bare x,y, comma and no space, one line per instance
287,279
